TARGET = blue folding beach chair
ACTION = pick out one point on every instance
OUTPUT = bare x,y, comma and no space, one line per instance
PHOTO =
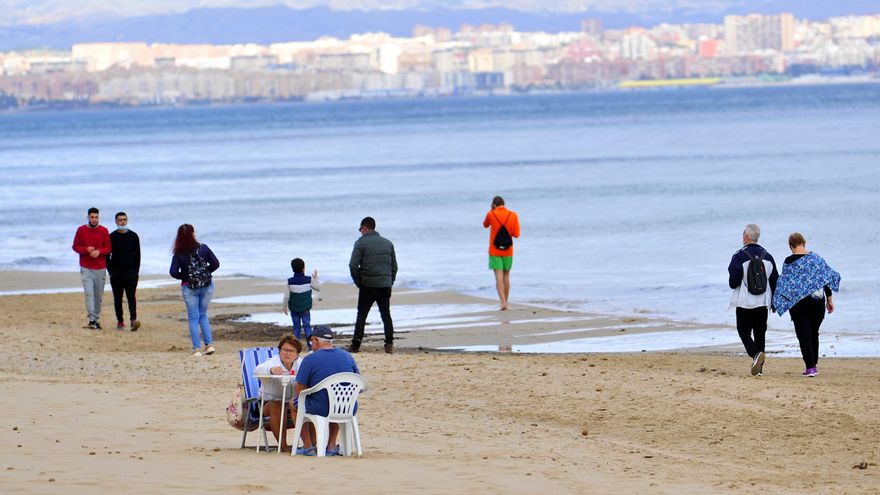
250,358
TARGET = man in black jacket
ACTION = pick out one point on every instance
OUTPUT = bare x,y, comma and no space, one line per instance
751,308
373,269
124,264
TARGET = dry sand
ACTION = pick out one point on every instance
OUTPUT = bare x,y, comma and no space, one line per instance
112,412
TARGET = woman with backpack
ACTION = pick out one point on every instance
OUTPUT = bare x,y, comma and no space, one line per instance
804,290
192,264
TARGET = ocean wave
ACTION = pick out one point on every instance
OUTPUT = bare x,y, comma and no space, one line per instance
31,262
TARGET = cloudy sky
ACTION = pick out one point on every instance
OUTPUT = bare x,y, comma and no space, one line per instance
14,12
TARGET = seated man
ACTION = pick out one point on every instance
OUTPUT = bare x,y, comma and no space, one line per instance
325,360
286,362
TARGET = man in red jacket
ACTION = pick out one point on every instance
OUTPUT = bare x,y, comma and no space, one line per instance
92,242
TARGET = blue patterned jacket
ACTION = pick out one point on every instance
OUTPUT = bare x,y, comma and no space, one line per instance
802,277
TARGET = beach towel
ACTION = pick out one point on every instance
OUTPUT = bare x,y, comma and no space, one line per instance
797,280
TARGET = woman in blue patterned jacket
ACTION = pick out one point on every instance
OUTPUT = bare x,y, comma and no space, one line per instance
804,290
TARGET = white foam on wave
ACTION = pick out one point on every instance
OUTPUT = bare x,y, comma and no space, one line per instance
654,341
830,345
142,284
447,316
28,292
782,344
274,298
406,316
593,329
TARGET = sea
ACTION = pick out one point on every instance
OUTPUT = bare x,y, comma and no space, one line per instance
631,203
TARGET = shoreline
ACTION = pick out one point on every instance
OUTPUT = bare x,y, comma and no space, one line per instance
325,97
423,319
455,322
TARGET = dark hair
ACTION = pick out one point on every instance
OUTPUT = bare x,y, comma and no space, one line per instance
290,339
185,242
120,214
497,201
94,210
369,223
298,265
796,239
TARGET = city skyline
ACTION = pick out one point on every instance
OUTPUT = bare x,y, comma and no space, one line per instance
437,61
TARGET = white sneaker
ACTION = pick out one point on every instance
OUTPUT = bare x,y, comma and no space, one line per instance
197,353
758,363
209,350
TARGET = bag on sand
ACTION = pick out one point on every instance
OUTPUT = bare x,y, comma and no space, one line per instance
756,274
236,411
199,275
502,239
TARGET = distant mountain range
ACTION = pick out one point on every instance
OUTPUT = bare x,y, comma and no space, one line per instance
265,25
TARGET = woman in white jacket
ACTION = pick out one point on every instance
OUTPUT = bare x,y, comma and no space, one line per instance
286,362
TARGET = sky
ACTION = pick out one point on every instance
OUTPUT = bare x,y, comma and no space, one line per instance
17,12
25,12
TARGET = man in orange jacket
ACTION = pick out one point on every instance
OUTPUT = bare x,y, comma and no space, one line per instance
501,245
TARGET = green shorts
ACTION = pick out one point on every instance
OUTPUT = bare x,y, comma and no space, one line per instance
500,262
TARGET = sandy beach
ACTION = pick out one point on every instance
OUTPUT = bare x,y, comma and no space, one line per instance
92,412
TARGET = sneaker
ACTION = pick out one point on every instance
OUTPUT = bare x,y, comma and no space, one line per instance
759,374
93,324
354,348
135,324
97,325
209,350
120,325
197,353
757,363
809,372
389,349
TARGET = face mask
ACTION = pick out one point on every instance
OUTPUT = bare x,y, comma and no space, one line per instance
124,228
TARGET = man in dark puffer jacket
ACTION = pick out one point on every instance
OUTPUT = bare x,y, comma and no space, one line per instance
373,269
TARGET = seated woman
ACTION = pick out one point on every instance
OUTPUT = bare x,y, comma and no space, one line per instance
286,362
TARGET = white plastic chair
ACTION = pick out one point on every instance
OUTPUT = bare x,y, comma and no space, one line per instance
343,390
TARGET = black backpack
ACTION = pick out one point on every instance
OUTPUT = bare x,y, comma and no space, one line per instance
502,239
756,274
199,275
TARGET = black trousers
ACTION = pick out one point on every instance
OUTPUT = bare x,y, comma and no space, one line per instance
124,282
807,316
366,297
748,321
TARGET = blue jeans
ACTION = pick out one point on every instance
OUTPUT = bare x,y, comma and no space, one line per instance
305,320
196,301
